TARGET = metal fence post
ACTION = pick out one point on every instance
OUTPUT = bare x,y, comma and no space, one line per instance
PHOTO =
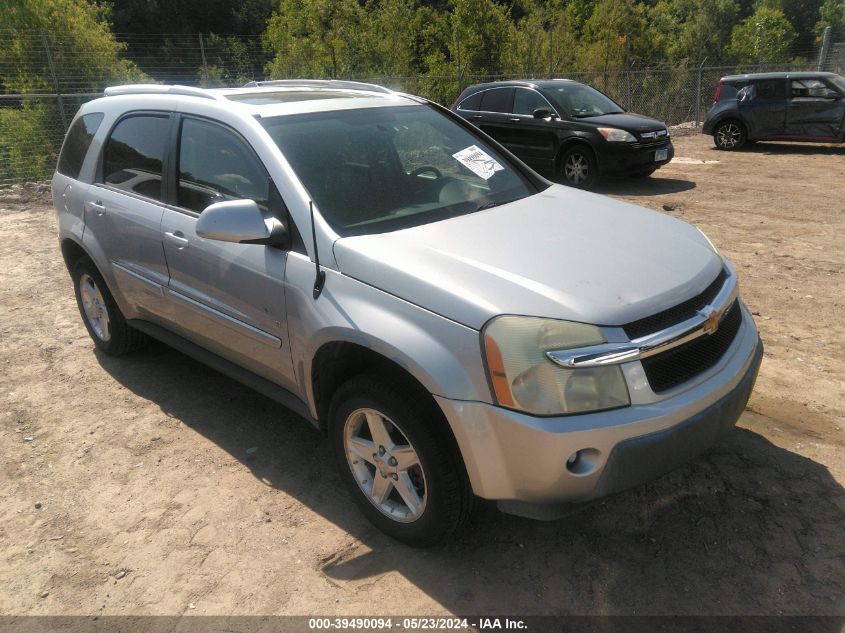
825,50
204,64
55,80
698,93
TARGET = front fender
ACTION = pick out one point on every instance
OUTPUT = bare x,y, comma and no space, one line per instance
444,356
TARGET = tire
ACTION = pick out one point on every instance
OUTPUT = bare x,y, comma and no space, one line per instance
441,500
645,173
578,167
730,135
102,318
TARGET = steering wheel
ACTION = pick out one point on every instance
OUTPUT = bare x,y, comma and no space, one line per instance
424,169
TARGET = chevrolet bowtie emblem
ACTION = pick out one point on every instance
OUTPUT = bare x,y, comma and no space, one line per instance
712,318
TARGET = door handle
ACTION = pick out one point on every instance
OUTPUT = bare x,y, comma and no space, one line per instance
515,119
177,238
477,116
97,207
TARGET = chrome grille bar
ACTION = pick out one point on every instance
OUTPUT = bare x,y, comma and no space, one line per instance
706,321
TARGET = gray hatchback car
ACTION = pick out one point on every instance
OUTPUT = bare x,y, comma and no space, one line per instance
460,326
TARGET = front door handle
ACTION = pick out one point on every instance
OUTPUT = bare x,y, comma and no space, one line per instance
97,207
477,116
515,119
177,238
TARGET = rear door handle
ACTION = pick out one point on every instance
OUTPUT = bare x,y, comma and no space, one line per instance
97,207
515,119
178,239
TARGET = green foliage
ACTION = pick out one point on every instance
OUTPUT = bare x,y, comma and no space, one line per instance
84,47
29,140
764,37
832,14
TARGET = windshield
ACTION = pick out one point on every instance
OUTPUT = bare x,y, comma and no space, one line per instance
374,170
580,101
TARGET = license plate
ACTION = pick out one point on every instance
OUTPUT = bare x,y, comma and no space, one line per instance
661,154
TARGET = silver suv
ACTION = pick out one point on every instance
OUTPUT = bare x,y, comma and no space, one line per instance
460,326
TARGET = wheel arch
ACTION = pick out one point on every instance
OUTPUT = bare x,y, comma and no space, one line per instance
336,362
568,144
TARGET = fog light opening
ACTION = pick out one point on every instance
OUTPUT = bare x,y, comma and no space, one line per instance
583,462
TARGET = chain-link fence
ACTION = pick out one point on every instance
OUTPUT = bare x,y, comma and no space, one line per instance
42,86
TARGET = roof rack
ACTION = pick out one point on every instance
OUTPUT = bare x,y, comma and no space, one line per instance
157,89
319,83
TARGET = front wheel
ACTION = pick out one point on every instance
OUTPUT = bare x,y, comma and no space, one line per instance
578,167
396,461
729,135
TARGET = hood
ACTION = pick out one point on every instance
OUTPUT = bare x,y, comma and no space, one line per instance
627,121
562,253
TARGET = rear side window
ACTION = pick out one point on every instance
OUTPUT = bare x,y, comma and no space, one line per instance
812,88
497,100
134,153
77,142
216,165
770,88
472,102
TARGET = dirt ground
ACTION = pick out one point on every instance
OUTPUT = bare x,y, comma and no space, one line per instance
152,485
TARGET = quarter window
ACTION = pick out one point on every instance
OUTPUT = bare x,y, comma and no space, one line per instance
78,141
526,101
473,102
216,165
133,156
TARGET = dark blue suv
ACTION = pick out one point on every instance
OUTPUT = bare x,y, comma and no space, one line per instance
800,106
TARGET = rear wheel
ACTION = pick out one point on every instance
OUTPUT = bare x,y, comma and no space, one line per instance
102,318
396,461
578,167
729,135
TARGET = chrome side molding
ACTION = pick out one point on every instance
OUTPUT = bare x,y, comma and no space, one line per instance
706,321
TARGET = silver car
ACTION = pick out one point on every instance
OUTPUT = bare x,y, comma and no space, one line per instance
461,327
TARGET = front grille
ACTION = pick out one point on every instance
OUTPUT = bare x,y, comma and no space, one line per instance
681,363
659,143
676,314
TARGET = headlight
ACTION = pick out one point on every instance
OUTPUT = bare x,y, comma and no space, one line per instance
621,136
523,378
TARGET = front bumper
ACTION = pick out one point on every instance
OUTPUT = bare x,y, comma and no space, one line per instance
623,158
521,460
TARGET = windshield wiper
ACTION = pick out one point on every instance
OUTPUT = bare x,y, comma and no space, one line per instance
490,205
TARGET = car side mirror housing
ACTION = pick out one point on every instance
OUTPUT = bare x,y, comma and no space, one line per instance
241,222
542,113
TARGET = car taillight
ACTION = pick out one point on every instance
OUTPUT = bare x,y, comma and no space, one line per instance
718,93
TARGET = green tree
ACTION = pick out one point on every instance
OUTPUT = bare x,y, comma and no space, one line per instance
690,31
79,34
764,37
832,14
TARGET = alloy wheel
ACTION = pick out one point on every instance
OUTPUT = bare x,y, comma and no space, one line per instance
94,307
729,135
385,465
576,168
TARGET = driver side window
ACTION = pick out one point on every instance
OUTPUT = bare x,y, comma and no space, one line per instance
216,165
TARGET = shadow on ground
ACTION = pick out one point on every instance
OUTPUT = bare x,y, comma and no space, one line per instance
798,149
651,186
748,528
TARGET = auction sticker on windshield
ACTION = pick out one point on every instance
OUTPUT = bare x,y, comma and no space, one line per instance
478,161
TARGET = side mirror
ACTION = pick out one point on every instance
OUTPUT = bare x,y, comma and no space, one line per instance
542,113
242,222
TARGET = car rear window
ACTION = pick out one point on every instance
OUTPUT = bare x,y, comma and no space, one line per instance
77,142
